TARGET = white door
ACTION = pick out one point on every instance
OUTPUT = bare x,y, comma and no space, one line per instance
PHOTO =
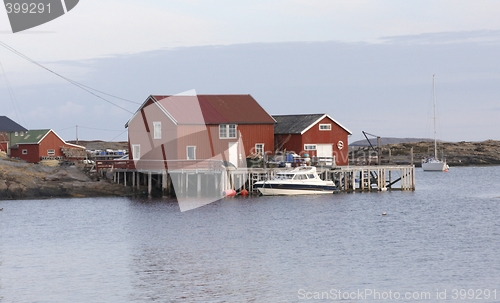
233,153
325,150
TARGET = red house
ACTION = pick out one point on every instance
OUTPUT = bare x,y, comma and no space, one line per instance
318,135
42,144
199,127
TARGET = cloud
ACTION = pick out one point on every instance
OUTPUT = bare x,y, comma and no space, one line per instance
97,28
383,88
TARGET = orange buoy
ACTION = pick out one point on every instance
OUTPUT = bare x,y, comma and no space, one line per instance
244,192
229,193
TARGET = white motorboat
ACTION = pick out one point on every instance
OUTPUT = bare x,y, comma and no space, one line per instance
434,164
302,180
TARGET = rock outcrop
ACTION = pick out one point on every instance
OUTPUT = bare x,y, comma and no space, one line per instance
21,180
456,153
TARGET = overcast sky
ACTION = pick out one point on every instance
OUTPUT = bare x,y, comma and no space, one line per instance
369,64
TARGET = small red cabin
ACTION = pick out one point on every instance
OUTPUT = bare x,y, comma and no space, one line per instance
317,135
42,144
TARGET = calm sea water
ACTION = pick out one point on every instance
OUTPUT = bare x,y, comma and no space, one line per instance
440,243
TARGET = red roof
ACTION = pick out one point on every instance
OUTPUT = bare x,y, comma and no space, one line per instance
215,109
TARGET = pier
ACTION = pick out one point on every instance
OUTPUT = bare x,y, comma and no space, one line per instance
211,178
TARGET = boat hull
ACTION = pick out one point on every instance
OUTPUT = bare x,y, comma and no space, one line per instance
435,166
268,189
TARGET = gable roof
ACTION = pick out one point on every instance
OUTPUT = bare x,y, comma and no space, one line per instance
35,136
215,109
7,125
299,124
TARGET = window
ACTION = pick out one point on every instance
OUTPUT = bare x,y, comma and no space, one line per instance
300,177
227,131
191,152
51,152
22,134
16,134
136,151
259,148
309,146
325,127
25,151
157,130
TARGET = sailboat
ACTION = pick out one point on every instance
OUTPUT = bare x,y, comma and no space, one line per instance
433,163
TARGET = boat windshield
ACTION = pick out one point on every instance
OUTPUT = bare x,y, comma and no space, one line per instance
300,177
284,176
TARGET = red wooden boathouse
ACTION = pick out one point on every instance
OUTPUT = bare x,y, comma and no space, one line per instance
199,127
318,135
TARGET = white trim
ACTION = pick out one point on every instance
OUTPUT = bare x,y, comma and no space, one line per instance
45,135
327,125
322,117
262,148
136,155
153,99
187,152
157,130
227,131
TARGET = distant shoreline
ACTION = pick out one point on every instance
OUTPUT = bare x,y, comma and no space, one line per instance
21,180
456,153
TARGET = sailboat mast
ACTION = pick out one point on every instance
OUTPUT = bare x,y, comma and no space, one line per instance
434,102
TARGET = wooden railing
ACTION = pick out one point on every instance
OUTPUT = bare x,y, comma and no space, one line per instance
156,165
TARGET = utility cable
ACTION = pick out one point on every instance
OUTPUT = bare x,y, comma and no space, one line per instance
77,84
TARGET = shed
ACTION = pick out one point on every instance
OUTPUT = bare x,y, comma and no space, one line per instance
317,135
42,144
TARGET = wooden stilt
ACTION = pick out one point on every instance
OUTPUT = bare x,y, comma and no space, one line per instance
150,183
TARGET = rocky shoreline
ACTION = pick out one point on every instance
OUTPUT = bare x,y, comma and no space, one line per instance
21,180
456,153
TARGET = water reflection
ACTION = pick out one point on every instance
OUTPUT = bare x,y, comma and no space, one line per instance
444,235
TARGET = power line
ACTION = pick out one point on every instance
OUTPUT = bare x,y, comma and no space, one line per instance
77,84
93,128
12,96
111,130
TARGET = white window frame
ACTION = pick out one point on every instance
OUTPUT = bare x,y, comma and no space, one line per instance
310,147
194,152
225,131
25,151
136,151
325,126
157,130
51,152
16,134
259,148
